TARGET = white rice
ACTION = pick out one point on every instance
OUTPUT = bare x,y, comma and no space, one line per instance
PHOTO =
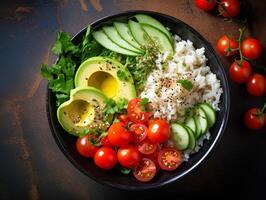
168,98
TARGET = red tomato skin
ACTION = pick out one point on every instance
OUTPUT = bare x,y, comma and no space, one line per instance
135,113
158,131
118,135
240,73
105,142
223,44
252,121
105,158
206,5
123,118
256,85
151,168
178,158
138,138
128,156
146,147
251,48
229,8
85,148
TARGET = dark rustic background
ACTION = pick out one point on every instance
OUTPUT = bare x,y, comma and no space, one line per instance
33,167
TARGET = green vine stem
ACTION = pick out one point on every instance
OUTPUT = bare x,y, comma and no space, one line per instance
240,38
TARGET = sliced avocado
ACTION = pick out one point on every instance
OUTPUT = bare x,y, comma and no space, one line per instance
82,110
102,39
138,33
146,19
125,33
101,73
158,38
113,35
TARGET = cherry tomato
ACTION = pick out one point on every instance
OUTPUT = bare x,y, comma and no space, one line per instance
135,113
158,131
251,48
146,147
256,85
128,156
145,170
123,118
139,132
105,158
105,142
154,158
84,146
227,46
240,72
169,159
206,5
118,135
254,119
229,8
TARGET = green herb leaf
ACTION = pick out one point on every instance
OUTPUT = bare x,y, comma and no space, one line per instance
143,102
113,108
125,170
186,84
121,75
63,44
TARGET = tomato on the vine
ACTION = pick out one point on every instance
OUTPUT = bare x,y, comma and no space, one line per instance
206,5
227,46
139,132
105,158
158,131
240,71
169,158
84,146
256,84
145,170
229,8
128,156
135,111
118,134
251,48
255,119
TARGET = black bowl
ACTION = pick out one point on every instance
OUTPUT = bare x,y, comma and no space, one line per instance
114,178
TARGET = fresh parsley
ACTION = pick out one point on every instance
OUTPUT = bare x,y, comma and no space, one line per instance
112,108
122,75
186,84
143,102
125,170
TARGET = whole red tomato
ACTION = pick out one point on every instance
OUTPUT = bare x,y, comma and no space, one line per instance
118,134
227,46
256,85
240,71
158,131
128,156
251,48
84,146
206,5
254,119
229,8
105,158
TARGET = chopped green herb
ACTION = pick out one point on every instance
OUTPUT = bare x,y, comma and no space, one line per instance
143,102
121,75
186,84
125,170
112,108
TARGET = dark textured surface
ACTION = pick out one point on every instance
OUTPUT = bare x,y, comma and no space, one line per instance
33,167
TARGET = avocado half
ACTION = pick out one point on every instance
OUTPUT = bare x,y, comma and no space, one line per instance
83,109
101,73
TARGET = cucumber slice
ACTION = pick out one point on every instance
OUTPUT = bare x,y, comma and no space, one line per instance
145,19
138,33
180,136
113,35
198,127
124,32
210,113
202,119
192,140
190,122
102,39
159,38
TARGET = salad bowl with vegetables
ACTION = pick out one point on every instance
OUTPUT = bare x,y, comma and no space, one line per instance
136,100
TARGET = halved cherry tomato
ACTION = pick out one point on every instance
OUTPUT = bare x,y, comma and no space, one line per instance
128,156
84,146
229,8
145,170
146,147
227,46
206,5
105,142
123,118
256,84
135,113
169,159
254,119
105,158
118,135
251,48
158,131
139,132
240,72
